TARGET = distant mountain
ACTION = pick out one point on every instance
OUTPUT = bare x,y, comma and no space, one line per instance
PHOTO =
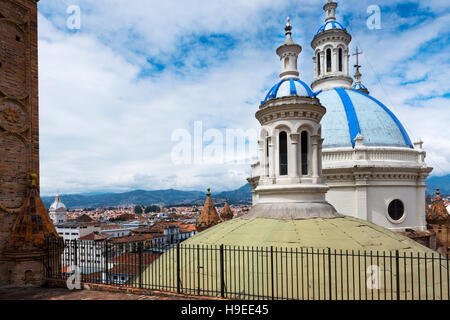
146,198
441,182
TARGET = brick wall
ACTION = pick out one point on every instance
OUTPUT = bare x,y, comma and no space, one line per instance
19,131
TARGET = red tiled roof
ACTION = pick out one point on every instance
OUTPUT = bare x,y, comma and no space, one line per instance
134,238
95,237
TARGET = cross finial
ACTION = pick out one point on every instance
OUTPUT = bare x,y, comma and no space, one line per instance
288,27
357,53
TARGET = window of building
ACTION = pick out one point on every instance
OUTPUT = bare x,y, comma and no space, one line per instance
396,209
286,62
304,150
318,63
340,59
328,60
283,154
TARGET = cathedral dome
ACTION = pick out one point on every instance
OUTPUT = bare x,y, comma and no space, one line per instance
330,25
57,205
351,112
289,87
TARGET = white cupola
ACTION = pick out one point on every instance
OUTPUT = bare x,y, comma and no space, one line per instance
331,53
288,53
287,180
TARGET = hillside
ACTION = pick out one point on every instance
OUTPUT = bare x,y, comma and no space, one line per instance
441,182
146,198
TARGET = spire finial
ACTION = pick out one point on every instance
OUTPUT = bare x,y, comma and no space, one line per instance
288,53
288,27
330,10
209,192
288,33
357,66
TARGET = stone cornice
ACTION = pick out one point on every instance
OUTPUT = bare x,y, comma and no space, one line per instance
290,108
330,36
375,173
332,77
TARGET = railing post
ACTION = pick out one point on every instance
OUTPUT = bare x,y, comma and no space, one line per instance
271,270
178,269
329,273
75,253
397,277
106,261
140,264
198,269
222,273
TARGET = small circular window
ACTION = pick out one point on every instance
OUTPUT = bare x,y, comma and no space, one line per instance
396,210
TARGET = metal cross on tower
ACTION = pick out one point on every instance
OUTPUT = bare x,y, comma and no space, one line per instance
357,53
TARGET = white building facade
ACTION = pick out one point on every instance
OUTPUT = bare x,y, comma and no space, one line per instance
369,164
58,211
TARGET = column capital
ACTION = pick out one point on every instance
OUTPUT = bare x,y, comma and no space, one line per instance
294,137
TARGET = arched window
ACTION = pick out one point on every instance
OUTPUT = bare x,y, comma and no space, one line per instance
286,62
304,148
283,154
328,60
340,59
318,63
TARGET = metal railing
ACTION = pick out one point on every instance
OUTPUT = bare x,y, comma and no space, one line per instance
255,272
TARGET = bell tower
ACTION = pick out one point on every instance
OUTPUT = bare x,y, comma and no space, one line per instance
287,181
331,53
24,221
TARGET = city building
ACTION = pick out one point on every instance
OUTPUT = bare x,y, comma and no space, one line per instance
74,230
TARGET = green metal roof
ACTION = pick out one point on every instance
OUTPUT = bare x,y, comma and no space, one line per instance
345,233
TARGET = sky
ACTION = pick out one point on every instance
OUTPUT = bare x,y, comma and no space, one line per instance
116,88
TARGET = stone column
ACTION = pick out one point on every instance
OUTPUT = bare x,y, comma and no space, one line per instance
320,158
262,158
334,60
322,64
315,156
420,201
361,195
293,156
271,158
346,58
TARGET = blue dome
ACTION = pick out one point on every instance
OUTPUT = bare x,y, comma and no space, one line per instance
289,87
330,25
352,112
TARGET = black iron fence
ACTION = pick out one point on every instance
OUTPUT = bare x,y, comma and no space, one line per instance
255,273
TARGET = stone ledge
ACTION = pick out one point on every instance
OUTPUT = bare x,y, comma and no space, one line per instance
54,283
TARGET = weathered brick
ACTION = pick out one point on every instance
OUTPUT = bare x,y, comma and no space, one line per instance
19,128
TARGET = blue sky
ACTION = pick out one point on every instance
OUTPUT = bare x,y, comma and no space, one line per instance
113,92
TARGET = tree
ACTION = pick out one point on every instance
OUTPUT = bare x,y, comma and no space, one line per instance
138,210
152,208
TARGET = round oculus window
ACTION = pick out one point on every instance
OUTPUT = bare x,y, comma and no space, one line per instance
396,210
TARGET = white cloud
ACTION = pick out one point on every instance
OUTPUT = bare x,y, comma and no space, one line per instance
104,126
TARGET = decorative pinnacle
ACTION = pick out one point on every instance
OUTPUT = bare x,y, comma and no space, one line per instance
288,30
330,10
209,192
288,27
357,66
